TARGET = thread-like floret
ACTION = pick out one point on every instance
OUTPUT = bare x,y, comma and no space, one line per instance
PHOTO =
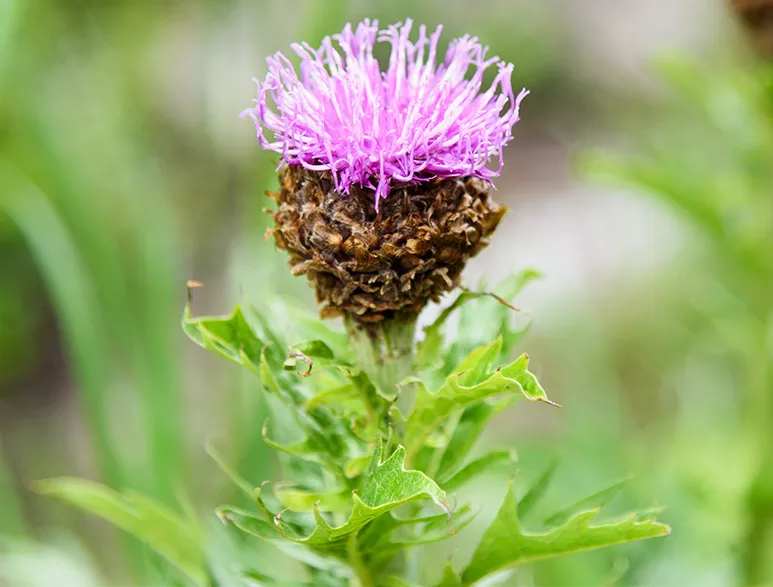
416,121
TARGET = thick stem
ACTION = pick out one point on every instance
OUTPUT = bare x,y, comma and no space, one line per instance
385,352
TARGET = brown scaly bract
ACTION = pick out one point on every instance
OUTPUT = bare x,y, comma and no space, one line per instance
387,265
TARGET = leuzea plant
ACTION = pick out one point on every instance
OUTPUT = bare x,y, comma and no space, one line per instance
385,195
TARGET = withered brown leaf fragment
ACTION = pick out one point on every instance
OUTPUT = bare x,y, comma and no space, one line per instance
373,266
757,18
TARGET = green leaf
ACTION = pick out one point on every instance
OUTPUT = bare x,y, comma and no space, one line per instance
228,336
349,395
497,314
533,496
267,530
247,488
316,349
311,326
385,486
316,353
597,500
301,500
477,467
340,394
381,540
505,545
322,443
450,578
266,374
304,449
177,539
470,426
468,385
433,529
485,317
245,337
356,465
478,363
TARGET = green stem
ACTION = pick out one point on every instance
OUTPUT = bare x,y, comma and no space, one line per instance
385,353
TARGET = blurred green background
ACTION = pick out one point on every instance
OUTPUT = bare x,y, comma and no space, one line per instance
640,183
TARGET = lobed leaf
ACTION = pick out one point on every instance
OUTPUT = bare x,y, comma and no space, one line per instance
245,337
489,308
505,544
471,383
478,363
385,486
229,336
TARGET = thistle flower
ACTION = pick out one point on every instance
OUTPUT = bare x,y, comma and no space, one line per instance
384,174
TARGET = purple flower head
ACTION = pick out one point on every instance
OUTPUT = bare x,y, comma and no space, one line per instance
415,121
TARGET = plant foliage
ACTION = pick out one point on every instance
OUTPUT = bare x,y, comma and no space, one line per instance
370,479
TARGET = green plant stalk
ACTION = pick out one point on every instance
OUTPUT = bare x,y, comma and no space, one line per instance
386,355
387,358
